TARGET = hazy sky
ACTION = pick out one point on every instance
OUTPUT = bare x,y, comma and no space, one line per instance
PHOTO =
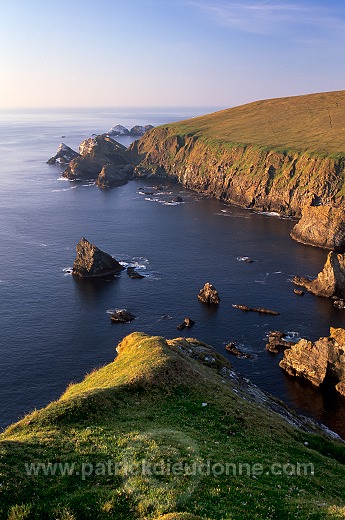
167,52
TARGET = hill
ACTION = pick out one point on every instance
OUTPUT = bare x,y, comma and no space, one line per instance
272,155
168,431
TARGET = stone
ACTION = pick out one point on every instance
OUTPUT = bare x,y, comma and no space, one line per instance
299,292
64,155
122,316
322,226
92,262
322,361
132,273
209,294
260,310
330,281
339,304
177,199
187,323
276,342
112,175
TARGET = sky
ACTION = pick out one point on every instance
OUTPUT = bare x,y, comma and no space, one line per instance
172,53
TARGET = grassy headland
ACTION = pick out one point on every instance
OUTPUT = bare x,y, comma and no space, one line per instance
165,431
273,155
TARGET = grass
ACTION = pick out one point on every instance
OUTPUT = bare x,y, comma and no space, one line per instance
314,123
135,429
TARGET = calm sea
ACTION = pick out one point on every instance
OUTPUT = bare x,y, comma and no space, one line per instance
54,329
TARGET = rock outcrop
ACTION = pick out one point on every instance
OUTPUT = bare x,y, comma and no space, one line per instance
64,155
277,342
91,262
101,159
186,324
132,273
322,361
330,281
322,226
260,310
209,294
135,131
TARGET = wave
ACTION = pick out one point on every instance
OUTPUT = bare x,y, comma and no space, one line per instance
67,270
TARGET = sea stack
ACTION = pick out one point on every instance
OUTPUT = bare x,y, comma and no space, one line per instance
91,262
209,294
330,281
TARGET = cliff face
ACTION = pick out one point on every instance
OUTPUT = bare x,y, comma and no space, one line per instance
330,281
248,175
322,226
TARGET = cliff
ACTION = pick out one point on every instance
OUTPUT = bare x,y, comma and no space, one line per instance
322,226
330,281
273,155
168,431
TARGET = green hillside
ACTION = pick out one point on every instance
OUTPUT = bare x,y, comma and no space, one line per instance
314,122
163,432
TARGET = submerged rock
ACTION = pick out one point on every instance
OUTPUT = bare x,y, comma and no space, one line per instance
322,226
122,316
64,155
92,262
232,349
132,273
330,281
209,294
260,310
187,323
322,361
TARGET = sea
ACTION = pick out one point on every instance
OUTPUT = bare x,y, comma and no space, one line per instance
56,328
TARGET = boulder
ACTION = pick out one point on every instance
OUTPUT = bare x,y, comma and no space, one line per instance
91,262
299,292
101,159
122,316
209,294
132,273
186,324
330,281
322,226
64,155
322,361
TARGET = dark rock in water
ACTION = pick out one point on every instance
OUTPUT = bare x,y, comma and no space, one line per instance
177,199
322,361
91,262
133,273
187,323
122,316
138,131
276,342
209,294
64,155
260,310
339,304
232,349
330,281
322,226
101,159
299,292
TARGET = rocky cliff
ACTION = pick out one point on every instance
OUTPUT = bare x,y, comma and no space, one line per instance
274,155
92,262
322,226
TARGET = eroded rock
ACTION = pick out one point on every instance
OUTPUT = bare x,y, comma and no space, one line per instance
92,262
186,324
276,342
132,273
122,316
260,310
64,155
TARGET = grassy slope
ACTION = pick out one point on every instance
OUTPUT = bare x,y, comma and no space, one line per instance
147,404
314,122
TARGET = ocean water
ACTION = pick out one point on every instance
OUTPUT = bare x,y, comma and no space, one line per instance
55,329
